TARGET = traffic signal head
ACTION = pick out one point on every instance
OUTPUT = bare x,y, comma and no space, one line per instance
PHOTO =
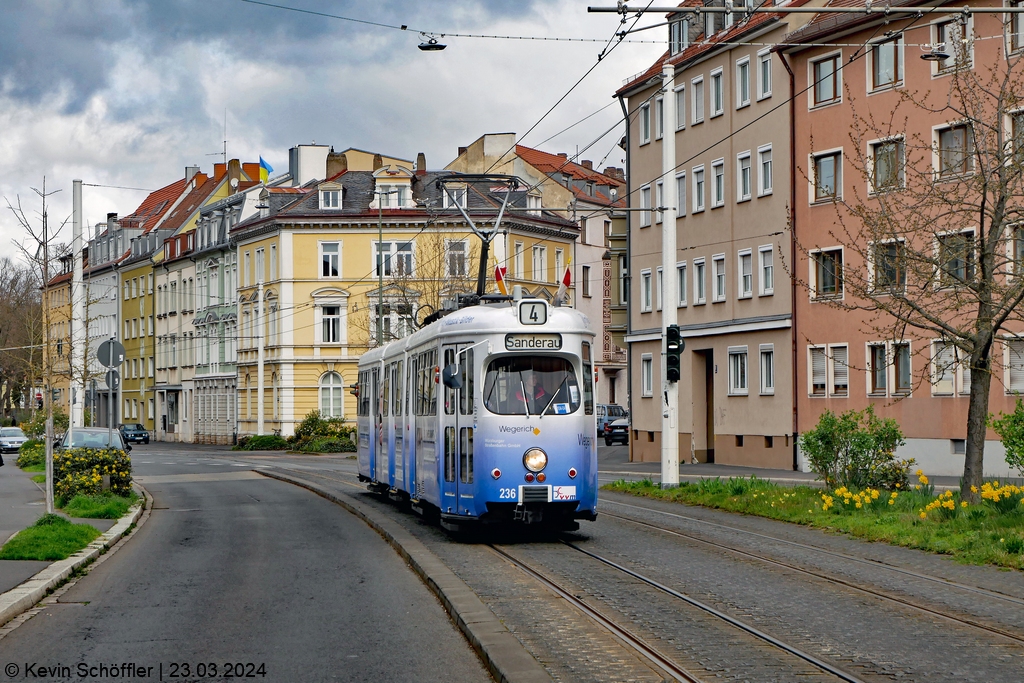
673,350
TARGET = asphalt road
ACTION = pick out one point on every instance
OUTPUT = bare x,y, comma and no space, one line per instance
236,569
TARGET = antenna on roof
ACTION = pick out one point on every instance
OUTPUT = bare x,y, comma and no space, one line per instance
224,152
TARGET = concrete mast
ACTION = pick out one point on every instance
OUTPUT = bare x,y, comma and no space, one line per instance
669,312
78,321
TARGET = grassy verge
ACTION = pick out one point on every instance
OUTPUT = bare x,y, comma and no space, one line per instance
51,538
39,478
991,532
38,467
102,506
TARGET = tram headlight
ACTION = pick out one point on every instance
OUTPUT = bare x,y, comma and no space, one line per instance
535,459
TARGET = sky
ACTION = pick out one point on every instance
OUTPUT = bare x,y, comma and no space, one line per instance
127,93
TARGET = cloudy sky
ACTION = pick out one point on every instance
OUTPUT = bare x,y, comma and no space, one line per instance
129,92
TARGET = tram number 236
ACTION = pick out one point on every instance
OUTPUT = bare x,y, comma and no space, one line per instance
508,494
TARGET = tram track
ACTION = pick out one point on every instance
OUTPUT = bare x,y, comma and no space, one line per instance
1017,638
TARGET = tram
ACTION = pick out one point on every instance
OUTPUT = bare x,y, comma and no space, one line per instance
485,415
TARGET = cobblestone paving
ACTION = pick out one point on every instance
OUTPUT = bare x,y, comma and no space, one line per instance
1004,614
871,638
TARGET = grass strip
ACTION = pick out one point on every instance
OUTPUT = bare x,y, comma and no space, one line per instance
986,533
39,478
101,506
51,538
37,467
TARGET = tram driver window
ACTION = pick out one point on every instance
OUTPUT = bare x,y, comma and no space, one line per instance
531,385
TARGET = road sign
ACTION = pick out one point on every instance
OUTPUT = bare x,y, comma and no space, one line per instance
113,379
110,353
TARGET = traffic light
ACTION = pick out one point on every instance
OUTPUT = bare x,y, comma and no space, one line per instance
673,350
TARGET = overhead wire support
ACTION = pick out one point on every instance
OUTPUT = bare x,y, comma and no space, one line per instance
868,8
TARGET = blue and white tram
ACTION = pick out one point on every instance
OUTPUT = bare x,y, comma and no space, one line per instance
486,415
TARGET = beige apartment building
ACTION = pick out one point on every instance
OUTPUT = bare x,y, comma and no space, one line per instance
733,298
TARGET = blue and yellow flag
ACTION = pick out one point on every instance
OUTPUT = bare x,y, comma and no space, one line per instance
265,170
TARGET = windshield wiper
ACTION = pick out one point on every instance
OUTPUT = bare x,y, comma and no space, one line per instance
565,377
526,400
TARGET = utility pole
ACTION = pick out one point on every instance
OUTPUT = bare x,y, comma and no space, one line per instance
260,353
669,313
78,318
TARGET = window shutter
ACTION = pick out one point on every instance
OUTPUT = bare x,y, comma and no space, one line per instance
840,370
1016,364
965,382
818,371
942,360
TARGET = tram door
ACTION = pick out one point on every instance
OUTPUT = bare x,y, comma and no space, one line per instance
456,415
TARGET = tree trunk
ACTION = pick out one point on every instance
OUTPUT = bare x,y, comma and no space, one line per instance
977,419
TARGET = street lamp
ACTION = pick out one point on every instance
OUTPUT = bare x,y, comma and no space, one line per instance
380,262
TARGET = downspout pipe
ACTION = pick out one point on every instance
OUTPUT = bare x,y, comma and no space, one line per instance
792,251
626,279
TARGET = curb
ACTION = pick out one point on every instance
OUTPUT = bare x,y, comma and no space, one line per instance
31,591
504,656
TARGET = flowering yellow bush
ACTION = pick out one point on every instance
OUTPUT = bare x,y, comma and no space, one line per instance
81,470
1004,497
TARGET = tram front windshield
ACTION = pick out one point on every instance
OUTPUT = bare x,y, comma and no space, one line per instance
531,385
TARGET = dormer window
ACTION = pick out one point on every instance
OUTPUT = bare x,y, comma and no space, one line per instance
533,204
678,36
454,196
393,196
330,199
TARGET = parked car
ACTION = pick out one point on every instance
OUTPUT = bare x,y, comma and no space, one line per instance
11,439
93,437
133,432
617,431
608,412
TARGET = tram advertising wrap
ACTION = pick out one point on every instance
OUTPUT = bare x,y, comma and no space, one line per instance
485,416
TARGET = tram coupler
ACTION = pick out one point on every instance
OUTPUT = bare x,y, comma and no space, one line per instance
521,514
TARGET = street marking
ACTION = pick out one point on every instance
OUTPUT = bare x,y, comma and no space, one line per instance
181,478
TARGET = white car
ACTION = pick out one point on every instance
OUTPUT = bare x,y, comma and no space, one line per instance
11,439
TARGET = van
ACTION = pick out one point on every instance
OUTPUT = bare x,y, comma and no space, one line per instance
608,412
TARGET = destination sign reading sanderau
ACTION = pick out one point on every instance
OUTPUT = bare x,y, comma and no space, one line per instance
533,342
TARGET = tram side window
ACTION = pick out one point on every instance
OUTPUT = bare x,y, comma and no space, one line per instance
396,388
588,381
466,456
364,393
431,384
386,403
410,406
449,453
531,385
466,395
449,393
375,382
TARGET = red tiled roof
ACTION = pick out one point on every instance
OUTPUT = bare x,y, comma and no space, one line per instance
154,206
195,199
287,190
824,23
552,163
597,198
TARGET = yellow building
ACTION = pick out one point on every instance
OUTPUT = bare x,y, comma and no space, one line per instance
311,266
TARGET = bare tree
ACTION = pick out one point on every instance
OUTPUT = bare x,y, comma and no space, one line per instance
20,333
939,232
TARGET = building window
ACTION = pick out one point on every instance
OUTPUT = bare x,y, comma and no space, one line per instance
956,151
518,261
681,195
645,291
1017,132
943,367
827,169
746,274
819,371
738,370
718,191
331,395
887,165
956,258
455,196
901,363
330,259
1016,27
743,176
647,375
888,266
764,75
840,370
700,291
764,170
623,280
645,206
767,268
585,280
660,286
877,369
953,38
260,266
659,198
1015,366
455,263
330,199
645,123
717,95
681,283
678,35
680,107
826,80
396,257
767,368
697,91
659,118
540,263
534,204
559,262
886,63
698,189
331,324
718,266
743,83
828,273
273,261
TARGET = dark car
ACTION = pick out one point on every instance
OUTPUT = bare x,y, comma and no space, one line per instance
93,437
133,432
617,430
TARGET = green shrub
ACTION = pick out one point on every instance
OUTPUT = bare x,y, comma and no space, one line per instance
262,442
856,449
328,444
315,425
37,425
32,452
1010,428
80,471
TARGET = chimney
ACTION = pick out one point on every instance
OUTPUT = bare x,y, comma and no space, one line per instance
563,155
234,175
421,164
219,170
111,223
337,163
587,164
462,150
190,171
252,170
377,162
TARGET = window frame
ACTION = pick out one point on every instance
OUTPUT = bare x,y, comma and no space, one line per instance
831,362
680,96
681,194
717,89
645,206
646,375
329,194
700,290
817,197
742,101
718,189
320,249
1015,29
815,275
644,122
761,263
871,64
873,386
697,104
811,391
646,293
1008,364
719,274
699,189
762,189
681,285
766,388
901,273
448,254
944,279
763,57
837,83
739,369
946,67
937,154
901,161
744,292
740,195
659,118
